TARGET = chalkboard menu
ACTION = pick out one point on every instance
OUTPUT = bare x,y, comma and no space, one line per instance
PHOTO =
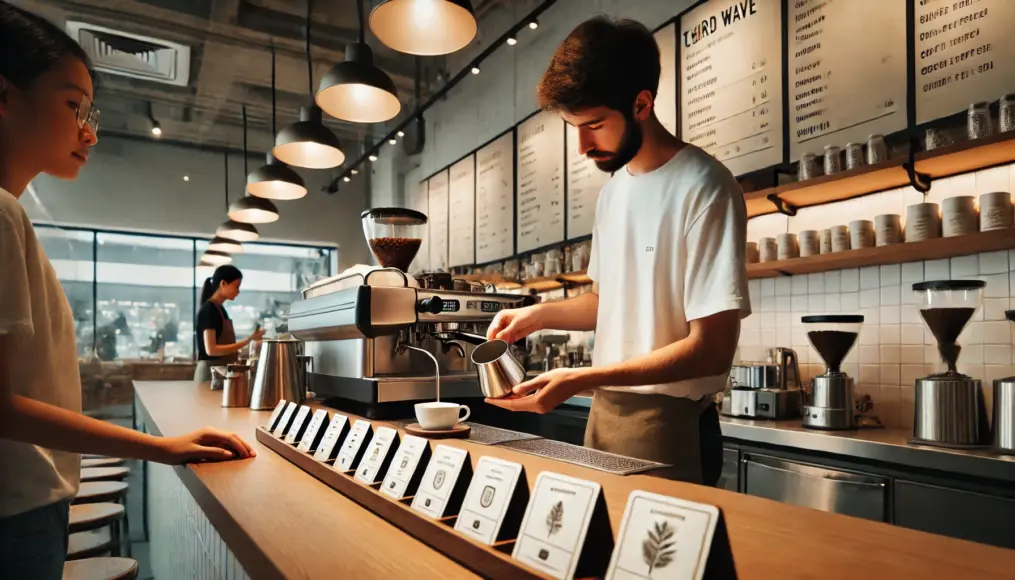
731,81
540,181
462,213
495,187
847,72
416,198
666,96
584,180
965,52
438,214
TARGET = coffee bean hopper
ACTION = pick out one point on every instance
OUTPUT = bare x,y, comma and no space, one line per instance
394,235
830,404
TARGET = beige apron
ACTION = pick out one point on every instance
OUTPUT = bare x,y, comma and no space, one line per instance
202,374
652,427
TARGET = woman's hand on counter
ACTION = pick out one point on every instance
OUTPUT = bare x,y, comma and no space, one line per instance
206,444
547,391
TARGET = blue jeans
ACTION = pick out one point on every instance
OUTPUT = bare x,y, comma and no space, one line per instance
33,545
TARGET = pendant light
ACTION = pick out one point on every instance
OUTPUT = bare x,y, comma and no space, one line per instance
308,143
223,244
424,27
275,180
213,258
249,209
231,229
356,90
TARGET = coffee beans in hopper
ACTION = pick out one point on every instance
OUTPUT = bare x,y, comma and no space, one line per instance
395,252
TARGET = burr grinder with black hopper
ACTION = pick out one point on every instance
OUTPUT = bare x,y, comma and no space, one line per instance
830,403
949,409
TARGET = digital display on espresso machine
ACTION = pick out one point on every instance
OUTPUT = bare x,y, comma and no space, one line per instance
485,305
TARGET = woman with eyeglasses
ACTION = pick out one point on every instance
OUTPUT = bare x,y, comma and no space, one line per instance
47,125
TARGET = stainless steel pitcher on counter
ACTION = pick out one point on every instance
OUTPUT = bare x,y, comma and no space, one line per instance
279,374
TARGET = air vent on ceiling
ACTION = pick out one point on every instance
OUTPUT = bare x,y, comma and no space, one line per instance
122,53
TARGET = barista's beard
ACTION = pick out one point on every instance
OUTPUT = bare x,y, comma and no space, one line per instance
630,144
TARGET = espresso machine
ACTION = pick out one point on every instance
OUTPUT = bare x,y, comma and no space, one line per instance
367,330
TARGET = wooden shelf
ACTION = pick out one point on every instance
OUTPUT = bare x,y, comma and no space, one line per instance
578,278
947,161
541,284
893,254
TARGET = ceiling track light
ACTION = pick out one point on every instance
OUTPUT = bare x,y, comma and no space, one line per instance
353,171
534,24
512,41
356,90
275,180
346,179
249,209
156,126
424,28
308,143
475,70
372,158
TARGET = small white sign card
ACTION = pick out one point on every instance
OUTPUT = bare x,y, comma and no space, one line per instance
287,419
276,414
299,425
314,433
664,537
352,450
445,482
333,438
495,502
406,470
378,457
566,530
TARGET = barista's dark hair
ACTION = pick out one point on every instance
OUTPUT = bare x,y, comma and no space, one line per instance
227,273
30,44
602,63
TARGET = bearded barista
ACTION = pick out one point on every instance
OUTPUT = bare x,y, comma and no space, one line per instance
667,261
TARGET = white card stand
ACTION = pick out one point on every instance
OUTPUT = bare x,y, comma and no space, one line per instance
495,503
334,437
666,538
444,484
566,530
285,421
276,415
314,433
406,471
300,422
378,456
354,447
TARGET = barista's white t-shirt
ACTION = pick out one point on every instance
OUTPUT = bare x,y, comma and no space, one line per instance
667,247
41,365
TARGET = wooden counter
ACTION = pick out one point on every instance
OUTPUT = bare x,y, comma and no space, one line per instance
281,522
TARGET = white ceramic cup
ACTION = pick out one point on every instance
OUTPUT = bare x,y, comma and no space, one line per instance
861,234
788,248
826,241
440,416
958,216
887,229
768,249
996,211
840,238
809,244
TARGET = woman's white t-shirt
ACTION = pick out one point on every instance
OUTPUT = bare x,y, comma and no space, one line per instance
667,248
40,359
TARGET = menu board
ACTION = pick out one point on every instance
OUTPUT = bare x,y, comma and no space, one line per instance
540,181
731,81
666,95
965,52
847,72
416,198
462,213
437,189
584,180
495,191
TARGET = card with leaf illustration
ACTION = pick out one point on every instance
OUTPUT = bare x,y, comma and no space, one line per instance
663,537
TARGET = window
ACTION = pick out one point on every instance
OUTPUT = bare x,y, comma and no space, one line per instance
71,253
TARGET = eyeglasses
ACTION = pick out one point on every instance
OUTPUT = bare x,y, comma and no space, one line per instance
87,113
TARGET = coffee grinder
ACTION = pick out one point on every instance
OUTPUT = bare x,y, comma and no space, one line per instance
830,405
949,407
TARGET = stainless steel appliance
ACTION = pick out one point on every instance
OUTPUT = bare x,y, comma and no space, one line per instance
356,327
949,409
767,390
236,391
1004,407
830,403
278,374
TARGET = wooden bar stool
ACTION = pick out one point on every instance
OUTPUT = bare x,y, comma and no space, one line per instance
102,462
100,569
95,516
101,491
89,544
104,473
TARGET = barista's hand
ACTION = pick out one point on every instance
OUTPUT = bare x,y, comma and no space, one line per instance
549,390
256,335
206,444
514,325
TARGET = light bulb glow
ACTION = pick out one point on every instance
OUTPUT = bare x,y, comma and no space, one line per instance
475,70
401,133
512,41
354,172
392,140
372,158
186,178
157,131
533,25
346,179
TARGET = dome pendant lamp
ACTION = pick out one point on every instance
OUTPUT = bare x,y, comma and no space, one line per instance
424,27
223,244
231,229
308,143
356,90
275,180
249,209
213,258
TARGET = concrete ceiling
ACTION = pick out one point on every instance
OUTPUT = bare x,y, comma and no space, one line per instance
230,44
